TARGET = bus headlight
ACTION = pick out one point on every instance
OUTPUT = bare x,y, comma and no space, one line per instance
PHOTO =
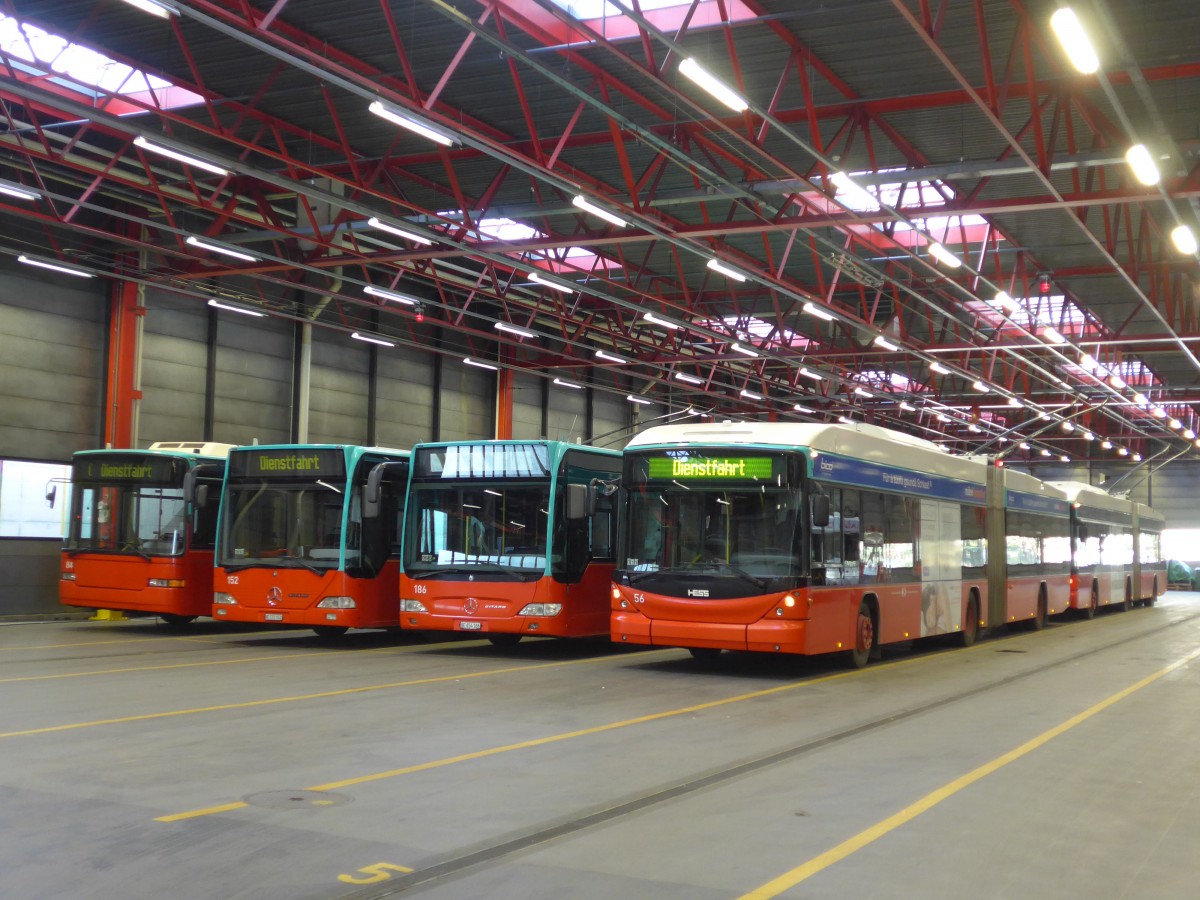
337,603
412,606
67,576
541,609
223,599
167,582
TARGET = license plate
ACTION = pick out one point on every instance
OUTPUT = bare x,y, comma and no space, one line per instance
470,626
273,617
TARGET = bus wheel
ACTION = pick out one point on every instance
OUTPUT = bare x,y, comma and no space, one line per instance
1149,601
177,621
706,655
970,625
1128,604
1093,604
330,631
864,637
504,640
1039,619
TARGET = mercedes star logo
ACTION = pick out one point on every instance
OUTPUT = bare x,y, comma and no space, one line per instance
274,596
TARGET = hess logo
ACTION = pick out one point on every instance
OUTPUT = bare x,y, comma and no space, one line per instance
697,592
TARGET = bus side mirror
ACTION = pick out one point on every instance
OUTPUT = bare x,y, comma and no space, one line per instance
51,494
820,510
372,491
202,496
581,501
1083,532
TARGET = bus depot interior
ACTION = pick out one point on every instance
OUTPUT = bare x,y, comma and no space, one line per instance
675,449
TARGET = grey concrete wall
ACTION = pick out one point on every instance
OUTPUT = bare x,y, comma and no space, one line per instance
52,337
337,411
404,398
468,406
253,390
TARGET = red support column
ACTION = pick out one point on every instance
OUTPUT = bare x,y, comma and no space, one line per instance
124,352
504,405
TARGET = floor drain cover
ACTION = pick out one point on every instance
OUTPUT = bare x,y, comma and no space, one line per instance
297,799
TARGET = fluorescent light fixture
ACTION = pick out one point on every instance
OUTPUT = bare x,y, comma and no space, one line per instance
1137,457
54,267
907,407
1088,362
1088,436
942,255
1107,445
219,248
848,185
1053,335
602,354
939,368
1074,40
846,421
245,311
1121,451
1117,381
800,408
661,323
974,428
553,285
942,417
385,294
1142,163
1064,458
1068,426
1189,433
1181,236
1045,452
375,222
568,384
716,266
745,351
513,329
1198,442
1159,412
587,206
981,387
863,392
479,364
750,395
371,340
1176,424
718,89
813,310
15,190
180,157
809,373
1005,302
162,10
881,341
1024,445
641,401
1141,399
690,379
396,117
1014,402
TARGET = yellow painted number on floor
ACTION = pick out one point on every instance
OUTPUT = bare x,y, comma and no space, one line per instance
375,873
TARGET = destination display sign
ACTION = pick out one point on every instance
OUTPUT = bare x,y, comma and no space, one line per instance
711,468
129,469
831,467
291,463
495,460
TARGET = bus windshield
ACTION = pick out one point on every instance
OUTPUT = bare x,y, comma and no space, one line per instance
132,518
288,523
490,526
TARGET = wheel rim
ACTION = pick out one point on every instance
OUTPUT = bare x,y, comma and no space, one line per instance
866,632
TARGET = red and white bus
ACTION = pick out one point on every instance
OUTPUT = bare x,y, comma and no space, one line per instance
135,542
1117,549
489,548
798,538
310,535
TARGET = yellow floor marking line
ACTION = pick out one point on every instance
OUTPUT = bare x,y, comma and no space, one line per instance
543,741
852,845
131,640
462,676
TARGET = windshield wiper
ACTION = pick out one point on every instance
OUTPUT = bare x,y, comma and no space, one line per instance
136,548
760,583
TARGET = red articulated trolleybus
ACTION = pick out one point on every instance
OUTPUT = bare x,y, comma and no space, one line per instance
310,535
489,546
810,539
138,541
1117,545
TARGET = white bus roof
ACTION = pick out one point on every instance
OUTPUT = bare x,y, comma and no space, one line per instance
1149,514
1029,484
862,441
198,448
1088,495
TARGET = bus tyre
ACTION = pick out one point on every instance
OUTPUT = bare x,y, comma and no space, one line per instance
1128,604
706,655
177,621
864,637
1089,611
970,625
330,631
1150,601
504,640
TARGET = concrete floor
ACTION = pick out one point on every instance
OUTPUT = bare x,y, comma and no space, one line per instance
140,762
